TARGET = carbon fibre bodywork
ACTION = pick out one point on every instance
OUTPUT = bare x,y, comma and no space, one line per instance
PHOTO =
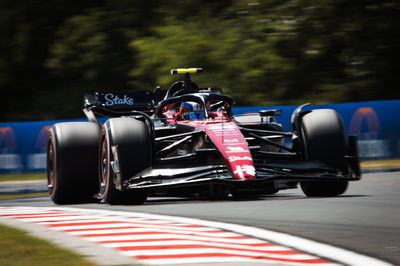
250,152
186,142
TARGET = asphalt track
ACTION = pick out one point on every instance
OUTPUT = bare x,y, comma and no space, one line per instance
366,219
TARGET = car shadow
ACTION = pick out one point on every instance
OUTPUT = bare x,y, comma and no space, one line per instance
277,197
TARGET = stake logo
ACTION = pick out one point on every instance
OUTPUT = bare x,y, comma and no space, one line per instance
112,100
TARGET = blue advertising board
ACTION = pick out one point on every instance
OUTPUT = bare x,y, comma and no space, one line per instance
23,146
376,123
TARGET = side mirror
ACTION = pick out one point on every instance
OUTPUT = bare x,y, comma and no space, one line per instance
273,112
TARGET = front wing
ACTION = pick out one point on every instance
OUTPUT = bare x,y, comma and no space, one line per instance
180,176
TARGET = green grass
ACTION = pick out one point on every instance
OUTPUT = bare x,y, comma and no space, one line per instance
19,196
22,177
17,248
381,164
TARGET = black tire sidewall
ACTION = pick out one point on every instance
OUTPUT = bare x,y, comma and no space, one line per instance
75,146
134,155
324,140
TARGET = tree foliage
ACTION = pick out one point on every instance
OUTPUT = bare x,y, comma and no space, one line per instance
260,51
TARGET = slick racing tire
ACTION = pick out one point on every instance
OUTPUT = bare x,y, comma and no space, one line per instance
72,154
325,141
127,142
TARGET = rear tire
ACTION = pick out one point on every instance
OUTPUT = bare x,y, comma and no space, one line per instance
132,138
72,154
325,141
323,188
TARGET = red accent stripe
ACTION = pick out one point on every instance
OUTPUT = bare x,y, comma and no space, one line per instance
202,255
281,252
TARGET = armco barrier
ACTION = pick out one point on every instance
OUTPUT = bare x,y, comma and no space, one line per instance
377,124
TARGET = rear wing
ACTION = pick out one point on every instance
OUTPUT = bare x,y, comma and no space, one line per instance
141,101
119,104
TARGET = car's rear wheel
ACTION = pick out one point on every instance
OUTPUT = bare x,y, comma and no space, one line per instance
323,188
325,141
131,142
72,154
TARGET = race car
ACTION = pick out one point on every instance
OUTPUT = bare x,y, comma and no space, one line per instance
187,142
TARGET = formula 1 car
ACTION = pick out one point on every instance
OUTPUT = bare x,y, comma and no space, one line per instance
186,142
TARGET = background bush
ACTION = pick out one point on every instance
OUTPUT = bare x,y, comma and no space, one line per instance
263,52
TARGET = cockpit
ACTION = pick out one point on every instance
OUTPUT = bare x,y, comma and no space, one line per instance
185,101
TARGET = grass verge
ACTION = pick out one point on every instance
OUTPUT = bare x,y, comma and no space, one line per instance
19,196
381,164
22,177
17,248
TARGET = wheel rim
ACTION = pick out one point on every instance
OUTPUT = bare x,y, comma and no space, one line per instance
104,166
50,168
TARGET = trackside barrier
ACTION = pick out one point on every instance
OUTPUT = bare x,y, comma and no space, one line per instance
377,123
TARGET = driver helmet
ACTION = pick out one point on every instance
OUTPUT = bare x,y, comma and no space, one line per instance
191,110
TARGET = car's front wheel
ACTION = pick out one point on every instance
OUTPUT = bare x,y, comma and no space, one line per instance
325,141
72,154
126,143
